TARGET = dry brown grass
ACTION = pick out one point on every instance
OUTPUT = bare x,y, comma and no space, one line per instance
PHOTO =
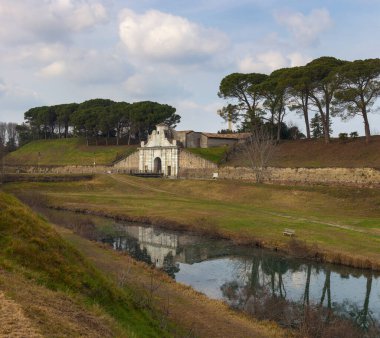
315,153
13,321
29,310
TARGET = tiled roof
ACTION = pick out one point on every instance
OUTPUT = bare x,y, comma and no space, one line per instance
184,131
236,136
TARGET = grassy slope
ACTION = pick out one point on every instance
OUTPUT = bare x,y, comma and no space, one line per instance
215,154
73,151
300,153
334,219
315,153
36,264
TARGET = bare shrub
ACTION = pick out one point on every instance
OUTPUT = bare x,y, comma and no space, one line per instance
123,276
259,148
321,323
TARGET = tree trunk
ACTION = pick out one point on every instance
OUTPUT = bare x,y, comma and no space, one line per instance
366,126
366,299
326,123
306,117
306,297
279,126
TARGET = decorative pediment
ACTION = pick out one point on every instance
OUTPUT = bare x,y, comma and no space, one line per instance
159,138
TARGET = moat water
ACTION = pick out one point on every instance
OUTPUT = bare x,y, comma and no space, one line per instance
241,276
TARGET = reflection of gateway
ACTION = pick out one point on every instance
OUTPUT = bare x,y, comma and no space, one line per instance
158,245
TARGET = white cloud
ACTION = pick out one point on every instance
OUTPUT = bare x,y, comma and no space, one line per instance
306,29
152,85
263,62
192,112
96,67
269,61
51,20
14,100
297,59
159,36
54,69
12,90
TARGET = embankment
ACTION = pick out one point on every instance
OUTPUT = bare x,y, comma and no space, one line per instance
360,177
294,247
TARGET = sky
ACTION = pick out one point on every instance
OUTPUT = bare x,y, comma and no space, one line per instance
170,51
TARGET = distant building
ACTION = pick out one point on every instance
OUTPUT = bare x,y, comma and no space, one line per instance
194,139
209,140
164,152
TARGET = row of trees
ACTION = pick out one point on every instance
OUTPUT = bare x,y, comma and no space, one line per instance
326,87
96,118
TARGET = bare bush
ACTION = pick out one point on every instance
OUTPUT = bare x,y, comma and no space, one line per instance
259,148
123,276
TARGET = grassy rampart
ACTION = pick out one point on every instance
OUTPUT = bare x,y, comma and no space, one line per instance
314,153
71,151
34,259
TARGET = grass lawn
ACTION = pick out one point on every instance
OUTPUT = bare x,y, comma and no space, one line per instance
342,223
71,151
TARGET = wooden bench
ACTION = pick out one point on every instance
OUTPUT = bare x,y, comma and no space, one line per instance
289,232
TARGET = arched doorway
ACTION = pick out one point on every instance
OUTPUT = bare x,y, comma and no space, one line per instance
157,165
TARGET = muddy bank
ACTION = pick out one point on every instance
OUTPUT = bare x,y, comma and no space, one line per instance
294,247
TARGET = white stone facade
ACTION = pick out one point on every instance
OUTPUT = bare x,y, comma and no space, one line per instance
160,153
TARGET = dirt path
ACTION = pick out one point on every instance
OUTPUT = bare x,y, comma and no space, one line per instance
197,314
13,322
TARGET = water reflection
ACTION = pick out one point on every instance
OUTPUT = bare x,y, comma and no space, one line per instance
242,275
246,278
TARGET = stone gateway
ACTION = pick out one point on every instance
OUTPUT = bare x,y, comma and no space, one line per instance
160,154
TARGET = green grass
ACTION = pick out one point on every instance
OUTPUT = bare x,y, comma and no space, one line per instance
338,220
72,151
29,246
215,154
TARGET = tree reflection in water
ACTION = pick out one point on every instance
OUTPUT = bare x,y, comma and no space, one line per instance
261,291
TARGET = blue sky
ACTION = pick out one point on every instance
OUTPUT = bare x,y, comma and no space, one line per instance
175,52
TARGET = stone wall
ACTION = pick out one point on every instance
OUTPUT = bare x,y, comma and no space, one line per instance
344,176
193,166
68,169
129,163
